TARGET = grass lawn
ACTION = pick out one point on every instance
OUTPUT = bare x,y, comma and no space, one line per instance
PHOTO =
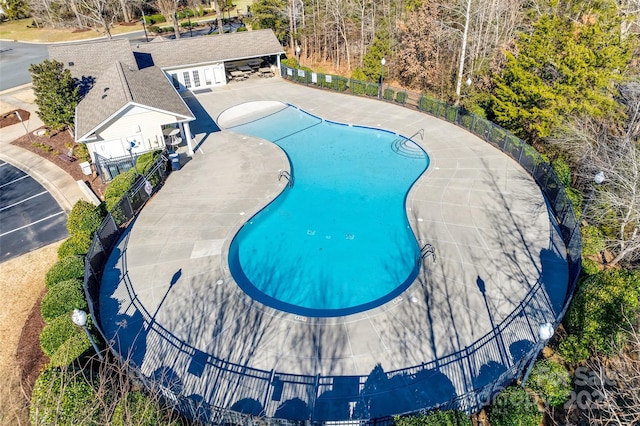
21,30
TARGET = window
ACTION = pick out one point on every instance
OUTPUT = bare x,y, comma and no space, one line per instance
196,78
174,79
187,80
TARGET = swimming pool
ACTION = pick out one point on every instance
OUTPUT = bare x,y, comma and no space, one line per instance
337,241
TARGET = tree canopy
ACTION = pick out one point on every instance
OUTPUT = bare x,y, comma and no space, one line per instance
56,94
563,68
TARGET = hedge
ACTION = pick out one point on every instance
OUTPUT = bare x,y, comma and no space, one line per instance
57,332
70,350
154,19
85,218
65,269
76,245
118,187
435,418
514,407
62,299
64,397
136,408
551,381
602,306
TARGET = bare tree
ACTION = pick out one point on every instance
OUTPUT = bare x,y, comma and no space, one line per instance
611,147
169,9
101,13
615,386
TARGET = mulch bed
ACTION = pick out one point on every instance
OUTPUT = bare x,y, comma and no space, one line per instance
11,118
29,355
55,147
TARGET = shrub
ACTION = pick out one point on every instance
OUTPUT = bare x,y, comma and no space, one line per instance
76,245
242,28
514,407
551,381
290,62
372,90
65,269
435,418
358,74
136,408
146,161
81,152
118,187
563,171
388,94
70,350
401,97
571,350
64,397
601,307
185,13
590,266
155,19
593,242
57,332
85,218
62,299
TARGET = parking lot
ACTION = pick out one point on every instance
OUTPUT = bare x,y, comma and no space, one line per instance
30,217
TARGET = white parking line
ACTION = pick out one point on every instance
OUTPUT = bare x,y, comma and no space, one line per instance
33,223
22,201
13,181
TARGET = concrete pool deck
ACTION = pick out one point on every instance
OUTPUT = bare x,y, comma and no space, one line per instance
169,303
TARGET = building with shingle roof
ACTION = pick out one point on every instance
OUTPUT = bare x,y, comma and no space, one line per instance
130,101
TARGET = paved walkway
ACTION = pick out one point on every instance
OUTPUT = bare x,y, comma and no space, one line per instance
170,303
55,180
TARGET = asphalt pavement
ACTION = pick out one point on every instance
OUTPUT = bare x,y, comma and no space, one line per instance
15,59
30,217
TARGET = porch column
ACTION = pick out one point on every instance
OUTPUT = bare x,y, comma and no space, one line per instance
186,133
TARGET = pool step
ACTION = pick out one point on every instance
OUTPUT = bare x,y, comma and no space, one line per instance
406,148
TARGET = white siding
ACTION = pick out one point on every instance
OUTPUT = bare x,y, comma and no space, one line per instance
200,77
135,124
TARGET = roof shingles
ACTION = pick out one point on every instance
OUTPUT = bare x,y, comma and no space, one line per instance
114,79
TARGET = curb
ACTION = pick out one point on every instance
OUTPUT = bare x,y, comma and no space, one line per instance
15,89
56,192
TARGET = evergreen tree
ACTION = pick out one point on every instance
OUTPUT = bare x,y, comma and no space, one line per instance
380,48
565,67
15,9
271,14
56,94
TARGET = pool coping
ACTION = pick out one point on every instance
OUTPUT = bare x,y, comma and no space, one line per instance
436,170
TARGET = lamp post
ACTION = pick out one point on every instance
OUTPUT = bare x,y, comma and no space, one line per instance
598,178
24,125
144,26
133,163
545,332
298,55
382,62
79,318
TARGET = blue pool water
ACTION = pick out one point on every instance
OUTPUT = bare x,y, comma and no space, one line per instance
338,241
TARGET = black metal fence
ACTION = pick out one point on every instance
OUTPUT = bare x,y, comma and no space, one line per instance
270,387
108,168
